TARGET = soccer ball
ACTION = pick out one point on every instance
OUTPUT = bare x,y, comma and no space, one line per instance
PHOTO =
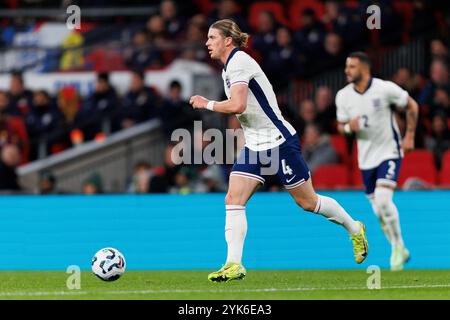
108,264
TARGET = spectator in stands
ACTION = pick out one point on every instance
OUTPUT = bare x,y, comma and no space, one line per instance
177,112
13,129
184,180
307,114
72,56
317,148
140,181
156,30
42,122
281,63
9,160
173,22
228,9
346,22
264,39
142,54
147,179
97,111
439,77
438,50
139,104
423,18
331,56
93,184
439,141
170,166
409,82
441,102
326,109
194,41
48,184
21,99
69,104
311,35
212,179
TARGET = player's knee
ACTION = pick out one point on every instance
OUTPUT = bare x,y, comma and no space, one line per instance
306,204
383,198
233,198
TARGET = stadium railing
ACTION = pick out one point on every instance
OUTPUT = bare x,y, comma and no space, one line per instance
112,158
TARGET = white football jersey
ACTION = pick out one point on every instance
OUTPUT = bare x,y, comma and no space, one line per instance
263,125
379,137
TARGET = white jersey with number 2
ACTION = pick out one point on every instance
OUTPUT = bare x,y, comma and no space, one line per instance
379,137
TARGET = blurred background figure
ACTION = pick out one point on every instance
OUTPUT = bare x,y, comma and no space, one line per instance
176,112
21,99
43,119
326,109
9,160
98,110
317,148
56,91
139,104
93,184
439,140
13,129
48,184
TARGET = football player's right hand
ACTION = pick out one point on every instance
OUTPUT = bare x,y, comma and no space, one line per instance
354,124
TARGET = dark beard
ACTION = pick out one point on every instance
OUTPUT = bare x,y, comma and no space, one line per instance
356,80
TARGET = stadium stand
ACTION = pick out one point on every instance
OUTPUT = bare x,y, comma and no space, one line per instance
412,50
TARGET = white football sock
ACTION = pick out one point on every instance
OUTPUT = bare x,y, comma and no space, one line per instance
389,212
235,232
385,227
333,211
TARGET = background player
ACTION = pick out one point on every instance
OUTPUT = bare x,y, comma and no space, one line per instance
251,98
364,108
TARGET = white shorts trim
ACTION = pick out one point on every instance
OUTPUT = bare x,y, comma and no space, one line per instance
294,185
381,182
248,175
238,82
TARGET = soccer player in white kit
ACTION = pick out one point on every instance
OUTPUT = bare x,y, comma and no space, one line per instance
267,133
364,108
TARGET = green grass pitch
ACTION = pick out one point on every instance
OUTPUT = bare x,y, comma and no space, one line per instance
186,285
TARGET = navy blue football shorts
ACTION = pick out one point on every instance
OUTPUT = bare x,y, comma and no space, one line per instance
285,161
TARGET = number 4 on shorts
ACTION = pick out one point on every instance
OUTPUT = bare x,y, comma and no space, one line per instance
286,168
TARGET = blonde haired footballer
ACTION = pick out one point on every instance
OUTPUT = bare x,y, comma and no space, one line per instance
252,100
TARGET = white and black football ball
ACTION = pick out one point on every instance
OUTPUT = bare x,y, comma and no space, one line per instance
108,264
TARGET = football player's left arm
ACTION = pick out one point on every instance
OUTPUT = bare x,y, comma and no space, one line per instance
236,104
412,114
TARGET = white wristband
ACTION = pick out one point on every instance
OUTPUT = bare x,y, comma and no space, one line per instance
210,105
347,128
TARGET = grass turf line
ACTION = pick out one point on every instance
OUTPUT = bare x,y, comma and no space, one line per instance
259,284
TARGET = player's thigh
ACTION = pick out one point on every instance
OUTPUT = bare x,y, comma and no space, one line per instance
387,173
305,195
240,189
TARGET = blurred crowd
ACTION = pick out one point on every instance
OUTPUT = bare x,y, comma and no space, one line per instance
36,123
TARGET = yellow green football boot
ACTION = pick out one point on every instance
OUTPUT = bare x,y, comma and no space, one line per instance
230,271
360,245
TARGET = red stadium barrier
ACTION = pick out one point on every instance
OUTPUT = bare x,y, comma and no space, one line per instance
332,176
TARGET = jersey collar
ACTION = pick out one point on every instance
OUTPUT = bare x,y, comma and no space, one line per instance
367,88
229,57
